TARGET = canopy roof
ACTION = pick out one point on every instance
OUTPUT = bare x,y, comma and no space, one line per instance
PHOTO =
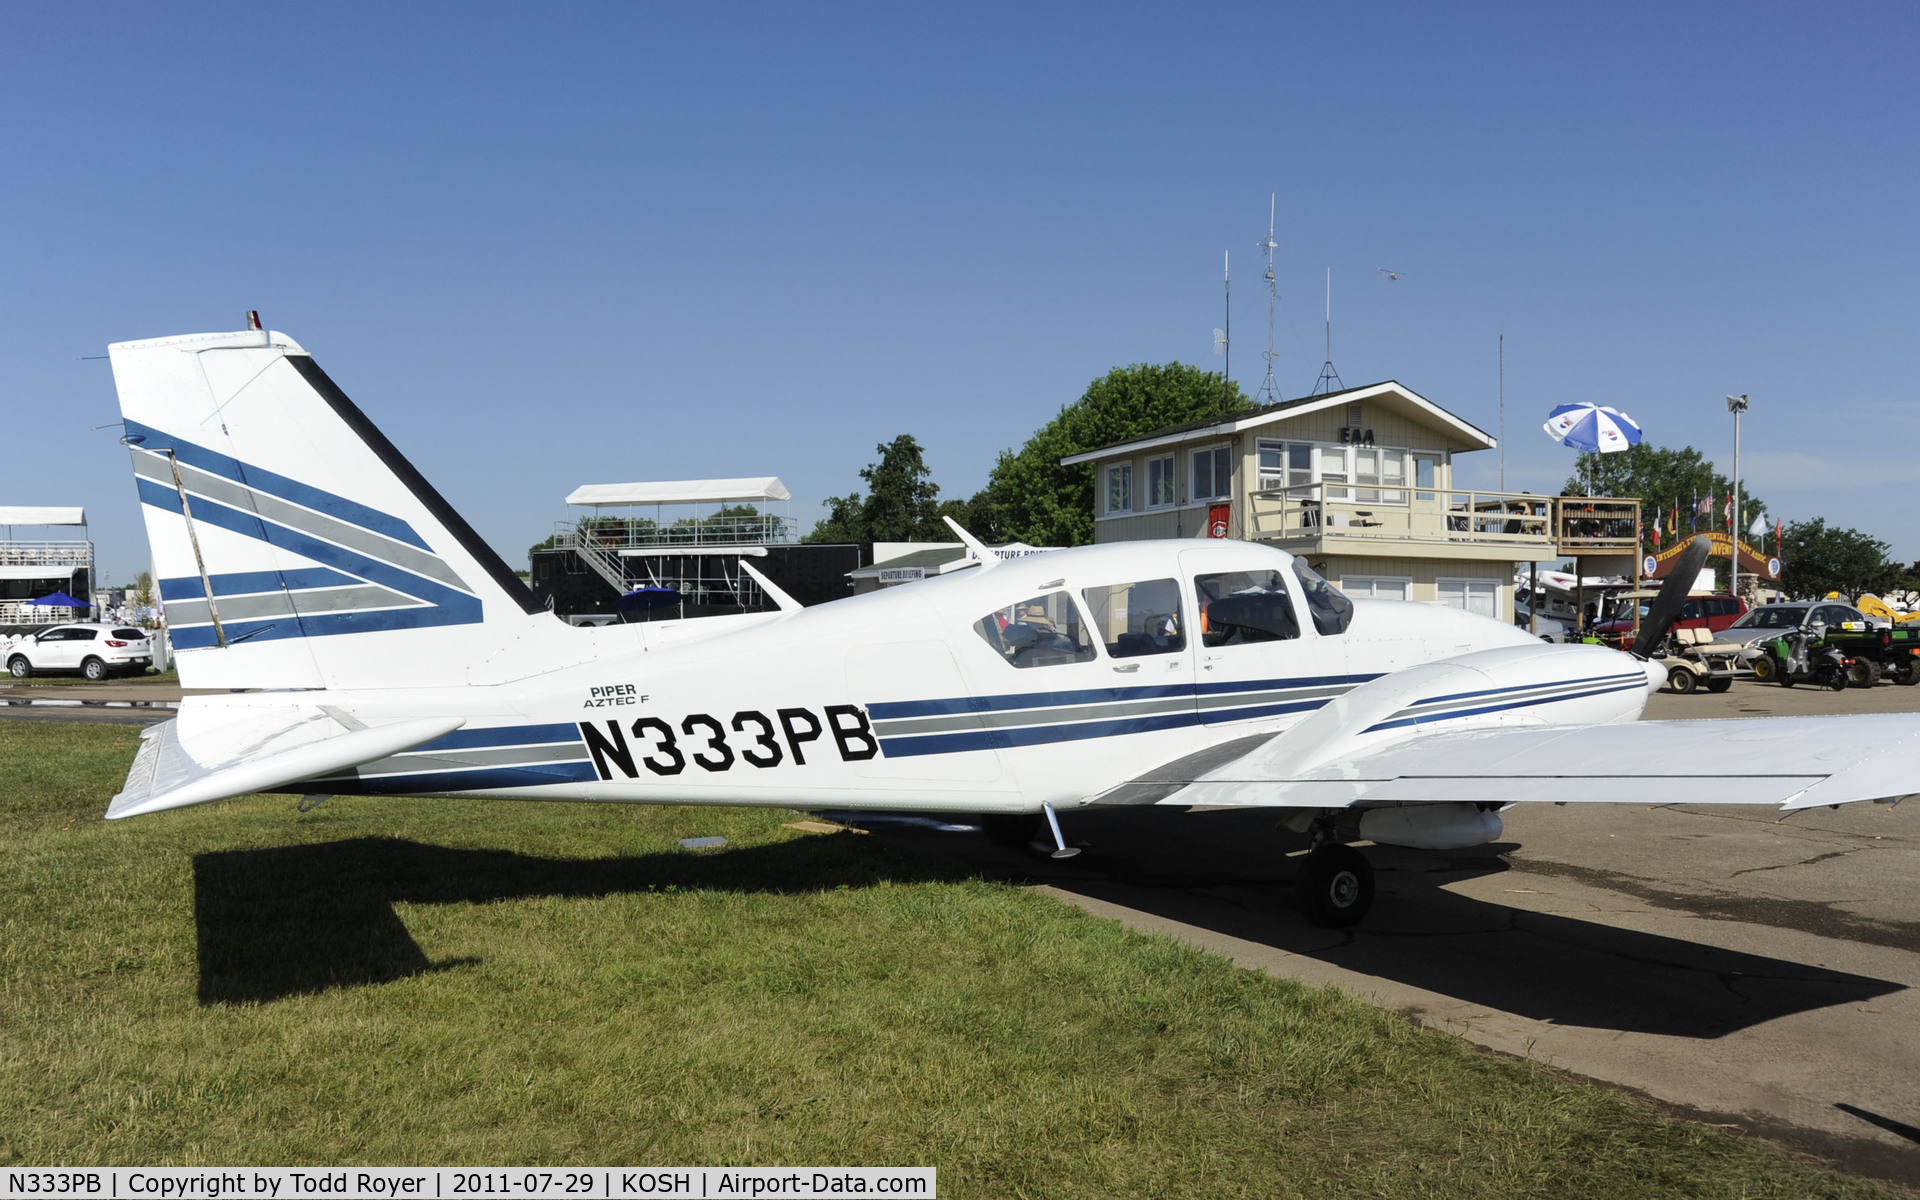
42,516
680,491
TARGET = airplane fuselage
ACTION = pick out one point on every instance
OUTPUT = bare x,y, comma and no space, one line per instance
910,698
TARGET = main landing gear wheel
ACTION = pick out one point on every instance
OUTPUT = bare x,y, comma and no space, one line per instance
1681,680
1335,886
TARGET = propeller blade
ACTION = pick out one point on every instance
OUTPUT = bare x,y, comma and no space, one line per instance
1665,609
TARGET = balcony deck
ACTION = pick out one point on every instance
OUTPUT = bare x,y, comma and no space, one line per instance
1320,518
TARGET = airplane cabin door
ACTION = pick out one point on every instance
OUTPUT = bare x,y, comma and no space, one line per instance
1260,653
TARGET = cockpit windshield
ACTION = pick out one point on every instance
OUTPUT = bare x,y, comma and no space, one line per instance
1237,607
1042,631
1332,611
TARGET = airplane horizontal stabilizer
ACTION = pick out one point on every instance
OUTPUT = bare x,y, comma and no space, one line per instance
275,750
1795,762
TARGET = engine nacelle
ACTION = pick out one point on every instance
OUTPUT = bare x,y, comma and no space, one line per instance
1535,684
1447,826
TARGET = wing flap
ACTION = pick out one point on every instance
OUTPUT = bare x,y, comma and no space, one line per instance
1795,762
165,776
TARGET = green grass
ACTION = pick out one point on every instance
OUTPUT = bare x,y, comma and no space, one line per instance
400,981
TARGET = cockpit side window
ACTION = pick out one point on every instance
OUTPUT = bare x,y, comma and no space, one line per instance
1041,631
1332,612
1237,607
1137,618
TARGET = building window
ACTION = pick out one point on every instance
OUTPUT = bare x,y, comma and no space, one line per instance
1120,488
1376,587
1212,474
1480,596
1426,471
1160,482
1285,464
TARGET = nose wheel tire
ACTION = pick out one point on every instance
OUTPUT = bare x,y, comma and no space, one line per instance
1335,886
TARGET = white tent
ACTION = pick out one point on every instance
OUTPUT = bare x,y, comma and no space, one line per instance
760,488
19,515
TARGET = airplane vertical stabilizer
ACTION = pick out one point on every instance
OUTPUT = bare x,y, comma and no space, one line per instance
295,546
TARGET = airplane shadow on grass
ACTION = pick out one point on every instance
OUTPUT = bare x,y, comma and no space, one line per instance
1227,872
292,920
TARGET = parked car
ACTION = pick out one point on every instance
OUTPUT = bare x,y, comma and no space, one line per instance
1769,621
1713,613
95,651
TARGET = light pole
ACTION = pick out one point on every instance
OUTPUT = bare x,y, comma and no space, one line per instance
1736,405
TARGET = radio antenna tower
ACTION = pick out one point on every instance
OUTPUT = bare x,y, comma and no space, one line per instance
1269,390
1223,338
1329,380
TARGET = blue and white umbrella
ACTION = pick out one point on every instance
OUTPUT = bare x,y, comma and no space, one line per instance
1592,427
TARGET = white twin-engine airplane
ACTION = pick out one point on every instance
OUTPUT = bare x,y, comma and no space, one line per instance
376,645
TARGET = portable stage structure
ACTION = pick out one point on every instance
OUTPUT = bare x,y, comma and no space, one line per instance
41,566
688,536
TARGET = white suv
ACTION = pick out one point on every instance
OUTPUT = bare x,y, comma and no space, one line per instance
95,651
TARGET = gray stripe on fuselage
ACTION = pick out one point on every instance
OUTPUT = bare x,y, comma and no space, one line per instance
1247,699
1065,714
236,495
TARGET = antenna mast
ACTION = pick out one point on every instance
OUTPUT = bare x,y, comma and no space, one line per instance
1329,380
1269,390
1226,277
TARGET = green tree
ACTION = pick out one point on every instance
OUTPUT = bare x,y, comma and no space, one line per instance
1816,559
1668,483
1030,497
902,502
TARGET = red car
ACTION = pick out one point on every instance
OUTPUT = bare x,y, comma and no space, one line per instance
1714,612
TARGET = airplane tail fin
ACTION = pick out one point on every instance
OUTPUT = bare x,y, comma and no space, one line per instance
294,546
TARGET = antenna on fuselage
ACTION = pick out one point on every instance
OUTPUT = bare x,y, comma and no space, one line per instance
979,549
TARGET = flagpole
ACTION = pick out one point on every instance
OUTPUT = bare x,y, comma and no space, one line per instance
1736,405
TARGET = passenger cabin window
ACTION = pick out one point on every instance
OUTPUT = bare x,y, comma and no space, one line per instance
1332,612
1237,607
1044,631
1137,618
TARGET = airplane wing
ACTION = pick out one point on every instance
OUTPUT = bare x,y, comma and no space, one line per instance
1794,762
257,752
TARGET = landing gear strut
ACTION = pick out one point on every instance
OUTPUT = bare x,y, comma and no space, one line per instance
1335,884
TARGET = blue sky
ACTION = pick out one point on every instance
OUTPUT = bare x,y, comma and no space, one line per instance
545,246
